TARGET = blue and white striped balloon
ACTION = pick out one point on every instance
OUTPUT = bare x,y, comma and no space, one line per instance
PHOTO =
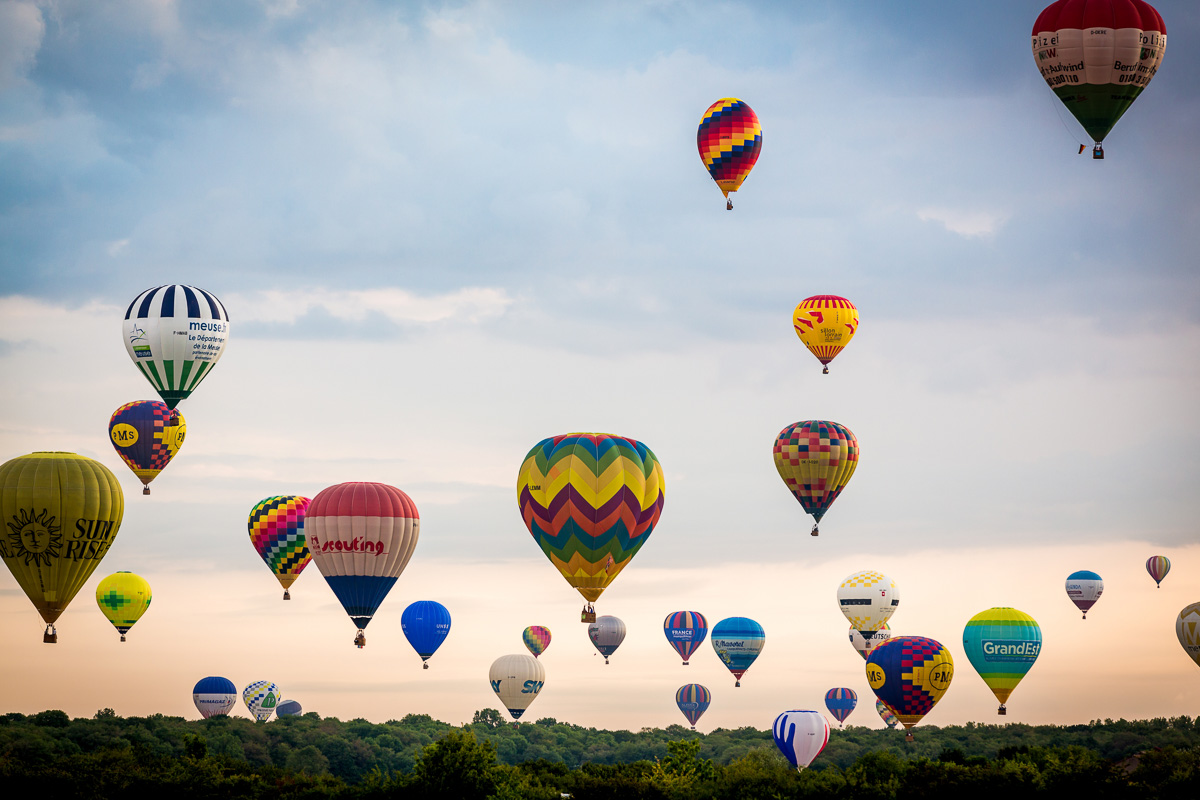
801,736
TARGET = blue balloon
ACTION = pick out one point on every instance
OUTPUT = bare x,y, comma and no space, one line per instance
840,702
738,641
426,624
214,696
288,708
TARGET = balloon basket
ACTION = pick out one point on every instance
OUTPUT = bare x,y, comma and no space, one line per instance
360,641
908,737
685,663
1098,152
588,614
50,636
815,531
122,637
729,203
605,659
825,371
1002,711
424,665
145,490
737,684
287,595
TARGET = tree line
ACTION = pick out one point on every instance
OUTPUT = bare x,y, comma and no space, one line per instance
418,757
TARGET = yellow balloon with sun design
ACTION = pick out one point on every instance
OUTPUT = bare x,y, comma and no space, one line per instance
60,513
123,597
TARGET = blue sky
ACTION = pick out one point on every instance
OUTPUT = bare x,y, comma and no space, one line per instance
444,232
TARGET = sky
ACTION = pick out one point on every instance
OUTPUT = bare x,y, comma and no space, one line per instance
444,232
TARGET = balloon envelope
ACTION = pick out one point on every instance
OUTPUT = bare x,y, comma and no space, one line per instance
261,697
1002,644
910,674
693,700
289,708
1187,630
123,597
62,512
1158,567
276,526
800,736
729,140
868,599
685,631
1084,589
590,501
607,633
361,536
214,696
517,680
175,335
536,638
146,435
426,624
886,714
816,459
825,323
863,645
737,642
841,702
1098,56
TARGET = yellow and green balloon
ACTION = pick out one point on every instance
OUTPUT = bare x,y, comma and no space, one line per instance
123,597
1002,643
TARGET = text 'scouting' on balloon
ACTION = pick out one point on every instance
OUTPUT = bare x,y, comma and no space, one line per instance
737,641
260,698
175,335
1084,589
729,140
590,501
800,736
685,631
841,702
536,639
62,512
426,624
693,700
276,526
825,324
816,459
517,680
361,537
910,674
1097,57
1002,644
214,696
123,597
146,435
1158,567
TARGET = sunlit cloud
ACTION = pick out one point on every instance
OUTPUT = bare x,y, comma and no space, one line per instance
971,224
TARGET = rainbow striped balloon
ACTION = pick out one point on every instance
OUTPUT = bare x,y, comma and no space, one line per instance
685,631
729,140
537,639
276,527
590,500
693,700
1158,567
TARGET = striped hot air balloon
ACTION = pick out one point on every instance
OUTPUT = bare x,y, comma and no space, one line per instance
816,459
590,500
841,702
146,435
825,323
175,335
685,631
729,140
1158,567
693,700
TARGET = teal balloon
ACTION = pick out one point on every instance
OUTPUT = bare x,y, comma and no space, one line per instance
1002,643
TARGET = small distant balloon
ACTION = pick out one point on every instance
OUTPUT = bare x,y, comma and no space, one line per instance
825,323
260,698
517,680
426,624
607,633
536,638
214,696
1084,589
288,708
800,736
737,642
693,700
146,435
886,714
1158,567
841,702
123,597
685,631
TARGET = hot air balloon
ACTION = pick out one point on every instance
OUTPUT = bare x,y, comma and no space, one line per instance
516,680
825,323
175,335
536,638
276,527
1002,644
864,645
606,634
62,512
1084,588
1098,56
840,703
261,698
910,674
685,631
816,460
693,700
1158,567
1187,630
738,641
801,736
123,597
729,140
426,625
147,435
590,500
886,714
289,708
361,536
868,599
214,696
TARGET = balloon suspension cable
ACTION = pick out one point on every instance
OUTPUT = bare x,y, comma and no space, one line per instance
1002,711
360,641
1058,109
287,595
145,490
815,531
50,636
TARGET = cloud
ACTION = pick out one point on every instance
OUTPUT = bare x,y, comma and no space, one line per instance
21,32
471,304
971,224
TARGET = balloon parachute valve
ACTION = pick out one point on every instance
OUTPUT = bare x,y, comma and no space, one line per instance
145,490
1098,152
